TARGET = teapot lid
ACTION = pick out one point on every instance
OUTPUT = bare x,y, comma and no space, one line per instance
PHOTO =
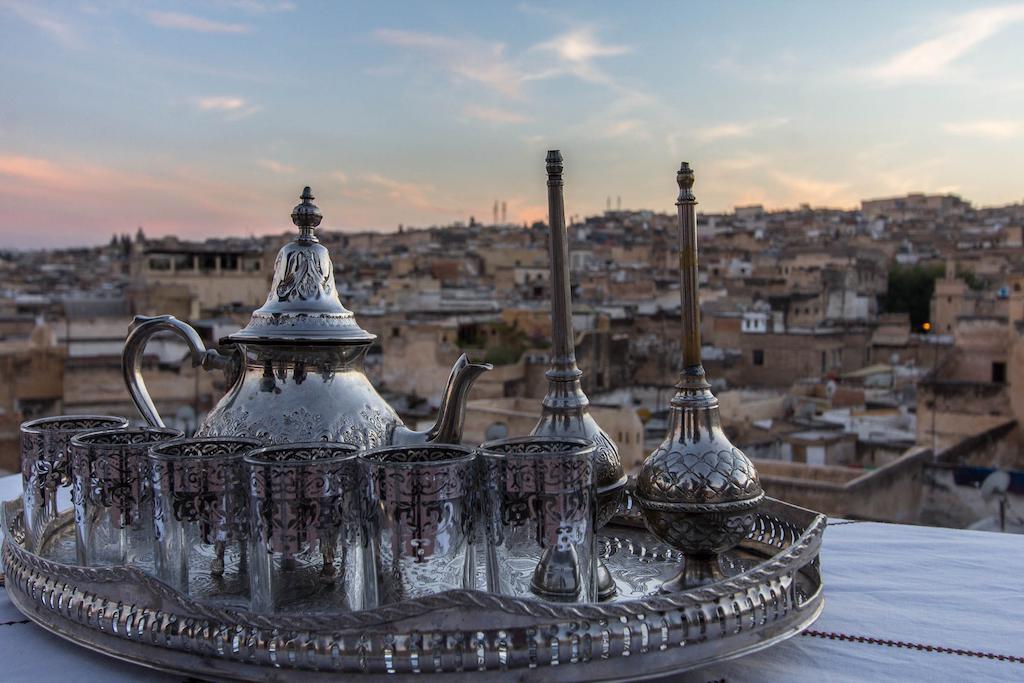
303,304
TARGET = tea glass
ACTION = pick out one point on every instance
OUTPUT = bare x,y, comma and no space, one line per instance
421,517
45,465
306,546
113,506
541,514
201,515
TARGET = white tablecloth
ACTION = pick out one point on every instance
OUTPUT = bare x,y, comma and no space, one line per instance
923,587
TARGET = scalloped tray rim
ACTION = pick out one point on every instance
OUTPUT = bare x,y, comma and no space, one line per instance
796,618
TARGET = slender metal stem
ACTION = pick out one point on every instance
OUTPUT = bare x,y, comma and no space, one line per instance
563,360
688,282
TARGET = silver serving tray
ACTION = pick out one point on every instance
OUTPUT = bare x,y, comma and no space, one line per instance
773,591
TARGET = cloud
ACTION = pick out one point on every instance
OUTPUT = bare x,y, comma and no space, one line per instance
576,54
220,103
76,177
740,163
36,171
340,176
417,195
46,21
477,61
189,22
764,69
577,51
891,171
812,190
991,129
77,200
233,107
736,130
725,130
260,6
932,58
488,63
632,128
493,114
276,166
522,211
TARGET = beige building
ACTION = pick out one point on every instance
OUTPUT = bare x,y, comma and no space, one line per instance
31,385
208,275
777,360
891,493
507,417
416,358
914,205
952,299
976,387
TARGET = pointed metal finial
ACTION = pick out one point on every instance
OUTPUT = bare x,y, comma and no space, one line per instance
685,179
554,163
307,215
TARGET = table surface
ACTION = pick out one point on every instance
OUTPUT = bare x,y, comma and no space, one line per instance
902,603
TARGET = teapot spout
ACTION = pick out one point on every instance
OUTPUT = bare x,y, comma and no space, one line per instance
452,413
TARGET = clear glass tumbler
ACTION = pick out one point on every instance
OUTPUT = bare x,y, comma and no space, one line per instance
305,528
420,519
201,515
541,512
45,465
113,507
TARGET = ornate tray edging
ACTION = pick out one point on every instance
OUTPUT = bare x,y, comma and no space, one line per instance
454,632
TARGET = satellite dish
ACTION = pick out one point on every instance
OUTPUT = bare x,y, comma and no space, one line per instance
830,389
995,485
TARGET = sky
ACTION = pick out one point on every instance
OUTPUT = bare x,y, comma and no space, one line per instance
207,118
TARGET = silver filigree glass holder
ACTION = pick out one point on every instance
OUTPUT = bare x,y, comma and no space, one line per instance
45,465
421,517
541,515
201,516
113,505
306,547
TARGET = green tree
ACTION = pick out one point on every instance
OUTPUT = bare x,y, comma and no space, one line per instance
973,280
910,291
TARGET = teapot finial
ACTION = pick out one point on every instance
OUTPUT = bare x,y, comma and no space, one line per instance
303,304
307,215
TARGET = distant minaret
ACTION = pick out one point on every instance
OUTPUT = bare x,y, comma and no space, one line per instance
608,203
504,212
495,212
618,203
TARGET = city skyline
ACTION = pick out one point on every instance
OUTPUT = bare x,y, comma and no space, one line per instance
206,119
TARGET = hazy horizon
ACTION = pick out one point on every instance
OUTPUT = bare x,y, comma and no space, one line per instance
205,119
286,228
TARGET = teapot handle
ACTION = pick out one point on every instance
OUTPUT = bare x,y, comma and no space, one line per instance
139,332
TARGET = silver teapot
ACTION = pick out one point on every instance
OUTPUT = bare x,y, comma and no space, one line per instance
296,370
